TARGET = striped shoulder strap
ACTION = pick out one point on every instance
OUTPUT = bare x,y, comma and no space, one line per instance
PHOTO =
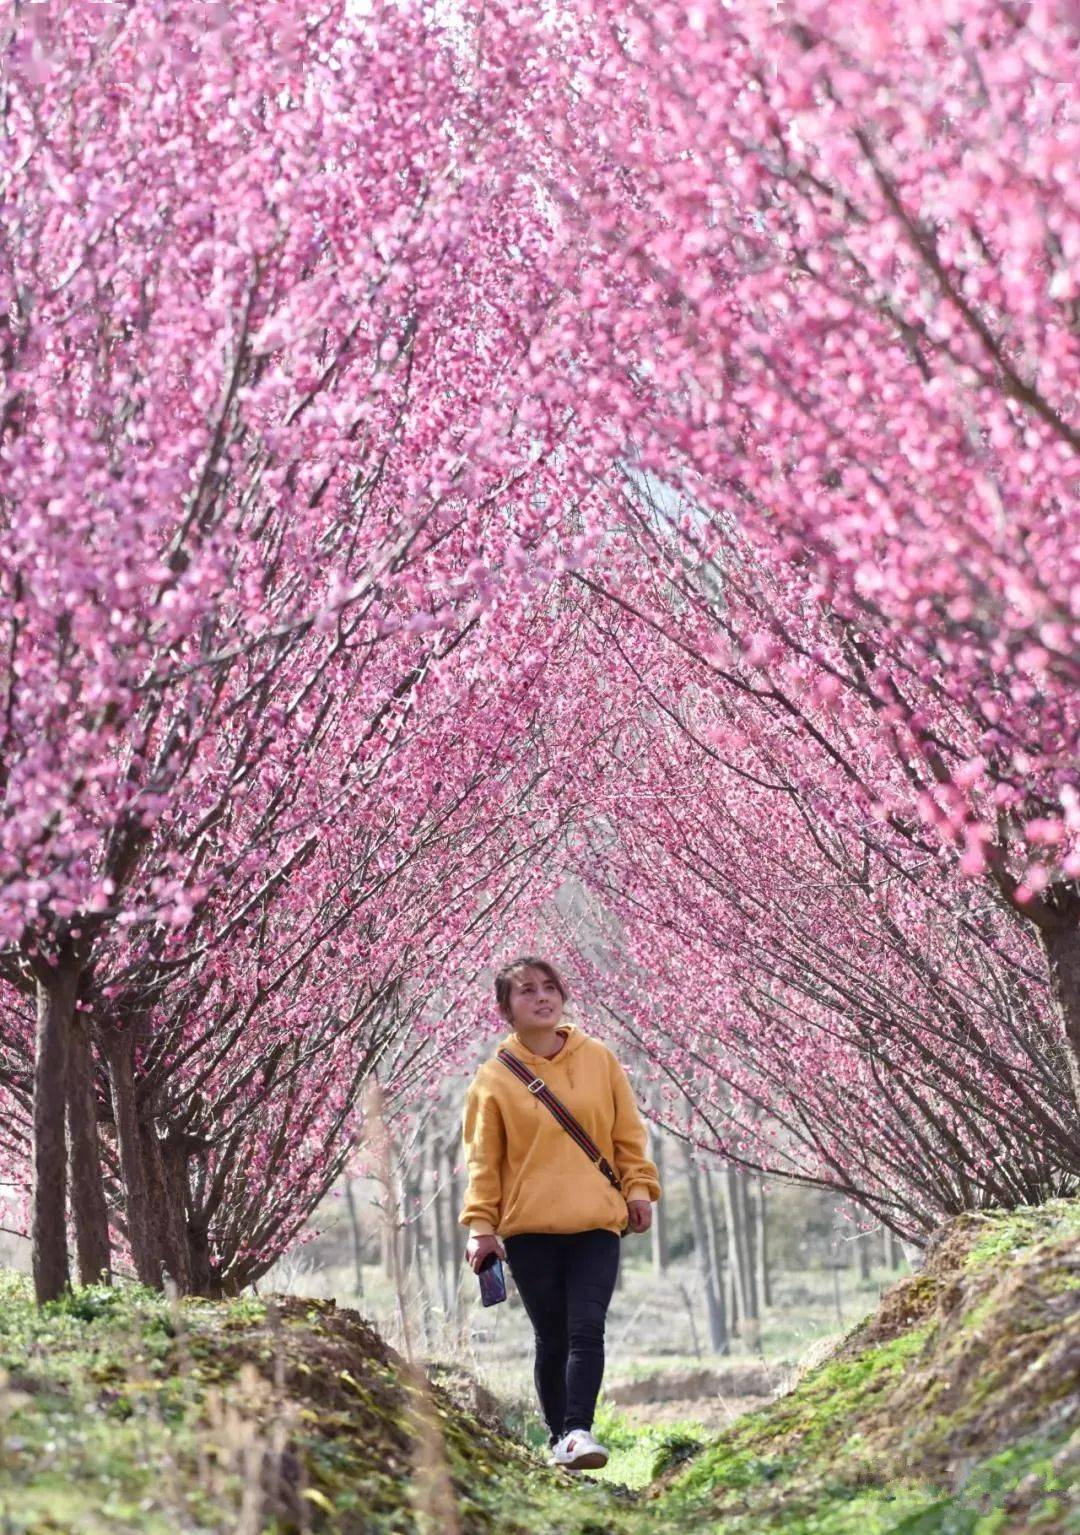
539,1089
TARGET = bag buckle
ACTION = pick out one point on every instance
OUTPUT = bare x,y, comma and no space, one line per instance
537,1085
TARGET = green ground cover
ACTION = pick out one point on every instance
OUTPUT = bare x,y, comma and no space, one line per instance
952,1410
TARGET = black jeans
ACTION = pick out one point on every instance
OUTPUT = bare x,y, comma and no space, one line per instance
566,1281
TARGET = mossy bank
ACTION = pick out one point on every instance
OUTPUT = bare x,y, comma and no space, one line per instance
954,1409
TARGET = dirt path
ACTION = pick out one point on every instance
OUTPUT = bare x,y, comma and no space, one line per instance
715,1398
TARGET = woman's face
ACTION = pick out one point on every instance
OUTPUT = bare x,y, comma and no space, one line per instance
535,1000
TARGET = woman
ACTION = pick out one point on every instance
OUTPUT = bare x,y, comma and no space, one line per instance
531,1184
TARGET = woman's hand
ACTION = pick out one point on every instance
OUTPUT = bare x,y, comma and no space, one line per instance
477,1249
640,1212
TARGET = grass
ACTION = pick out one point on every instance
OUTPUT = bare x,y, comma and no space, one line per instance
1006,1233
95,1423
946,1413
638,1454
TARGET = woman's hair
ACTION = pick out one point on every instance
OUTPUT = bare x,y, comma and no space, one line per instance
525,962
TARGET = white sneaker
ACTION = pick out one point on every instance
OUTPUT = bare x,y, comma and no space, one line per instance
579,1451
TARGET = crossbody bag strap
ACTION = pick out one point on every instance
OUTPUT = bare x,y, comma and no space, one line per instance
539,1089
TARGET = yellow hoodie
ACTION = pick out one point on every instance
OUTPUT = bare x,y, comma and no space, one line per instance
525,1172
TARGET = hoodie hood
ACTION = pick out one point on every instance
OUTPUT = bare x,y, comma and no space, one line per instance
574,1041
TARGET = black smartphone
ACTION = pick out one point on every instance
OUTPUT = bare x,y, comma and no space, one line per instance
492,1280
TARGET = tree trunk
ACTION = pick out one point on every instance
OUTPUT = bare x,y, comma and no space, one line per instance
202,1272
716,1249
412,1236
893,1256
120,1053
689,1303
762,1247
703,1247
459,1273
660,1245
749,1214
457,1199
734,1217
449,1222
419,1245
176,1166
385,1253
1062,949
166,1175
357,1238
441,1227
88,1205
862,1242
55,1012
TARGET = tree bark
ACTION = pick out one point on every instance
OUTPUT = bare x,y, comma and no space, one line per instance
56,993
175,1160
459,1273
413,1237
762,1247
357,1238
166,1181
749,1215
419,1249
203,1281
1061,945
703,1247
736,1230
660,1246
457,1198
716,1249
443,1229
894,1257
88,1205
120,1054
449,1219
392,1233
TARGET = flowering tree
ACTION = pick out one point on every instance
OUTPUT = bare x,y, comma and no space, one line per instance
264,444
232,1062
827,1012
834,1003
828,255
396,413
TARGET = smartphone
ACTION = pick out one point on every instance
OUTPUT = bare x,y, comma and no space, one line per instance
492,1280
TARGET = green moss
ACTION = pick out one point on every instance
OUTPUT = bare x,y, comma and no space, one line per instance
123,1413
1008,1231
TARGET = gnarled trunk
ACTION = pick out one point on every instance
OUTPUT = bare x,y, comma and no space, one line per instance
52,1043
84,1162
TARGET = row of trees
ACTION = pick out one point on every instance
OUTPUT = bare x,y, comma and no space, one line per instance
834,1005
441,455
263,702
836,864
